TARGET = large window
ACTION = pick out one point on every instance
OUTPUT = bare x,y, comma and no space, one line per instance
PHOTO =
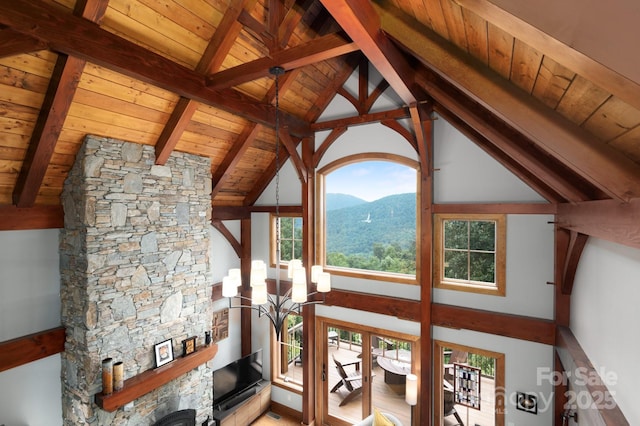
287,359
367,216
470,253
290,237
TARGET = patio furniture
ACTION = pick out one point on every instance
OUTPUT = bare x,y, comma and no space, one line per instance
450,404
352,381
395,372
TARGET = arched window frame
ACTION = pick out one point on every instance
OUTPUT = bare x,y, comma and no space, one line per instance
320,224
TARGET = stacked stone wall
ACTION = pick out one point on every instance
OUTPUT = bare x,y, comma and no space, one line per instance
135,272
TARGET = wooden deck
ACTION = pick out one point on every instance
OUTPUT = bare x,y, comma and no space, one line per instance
390,398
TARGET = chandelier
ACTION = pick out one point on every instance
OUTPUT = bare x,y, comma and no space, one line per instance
277,307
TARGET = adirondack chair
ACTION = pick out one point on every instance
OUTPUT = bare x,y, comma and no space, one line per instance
352,381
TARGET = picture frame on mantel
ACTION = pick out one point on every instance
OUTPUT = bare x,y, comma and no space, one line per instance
189,345
163,352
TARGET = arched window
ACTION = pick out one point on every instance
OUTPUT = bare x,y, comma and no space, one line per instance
367,217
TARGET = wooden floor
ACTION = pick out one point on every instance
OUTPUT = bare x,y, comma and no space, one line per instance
271,419
386,397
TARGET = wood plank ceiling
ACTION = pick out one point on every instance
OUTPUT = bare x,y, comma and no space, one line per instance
192,76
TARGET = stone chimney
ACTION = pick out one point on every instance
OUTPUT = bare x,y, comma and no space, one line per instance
135,272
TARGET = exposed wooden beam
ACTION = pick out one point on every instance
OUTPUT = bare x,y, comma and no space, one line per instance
93,10
16,352
326,143
174,128
605,219
342,91
359,19
245,269
611,81
235,244
38,217
291,20
598,163
386,305
497,208
330,91
508,325
375,94
256,26
308,188
91,43
577,242
60,92
231,159
224,37
587,380
318,50
561,301
424,125
373,117
290,146
265,179
13,43
230,213
214,54
540,175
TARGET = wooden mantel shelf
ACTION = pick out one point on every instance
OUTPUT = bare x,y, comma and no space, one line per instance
144,383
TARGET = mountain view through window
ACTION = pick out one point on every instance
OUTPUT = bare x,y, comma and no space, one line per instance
376,235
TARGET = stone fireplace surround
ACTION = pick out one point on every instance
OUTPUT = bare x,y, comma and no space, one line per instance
134,269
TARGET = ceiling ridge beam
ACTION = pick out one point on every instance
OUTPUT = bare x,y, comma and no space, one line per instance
103,48
597,163
318,50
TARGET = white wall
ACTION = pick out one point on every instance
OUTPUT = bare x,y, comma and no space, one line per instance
522,361
29,303
466,174
222,258
605,317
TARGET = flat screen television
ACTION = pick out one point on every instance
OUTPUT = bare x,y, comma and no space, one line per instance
236,377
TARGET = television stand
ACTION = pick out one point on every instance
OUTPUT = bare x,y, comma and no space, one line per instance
245,407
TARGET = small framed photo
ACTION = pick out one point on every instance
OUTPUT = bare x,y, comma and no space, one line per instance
164,353
189,345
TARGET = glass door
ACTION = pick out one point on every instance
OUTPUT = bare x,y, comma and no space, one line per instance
471,379
346,377
391,361
356,380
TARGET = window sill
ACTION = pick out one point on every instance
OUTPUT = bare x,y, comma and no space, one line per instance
289,386
471,288
372,275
